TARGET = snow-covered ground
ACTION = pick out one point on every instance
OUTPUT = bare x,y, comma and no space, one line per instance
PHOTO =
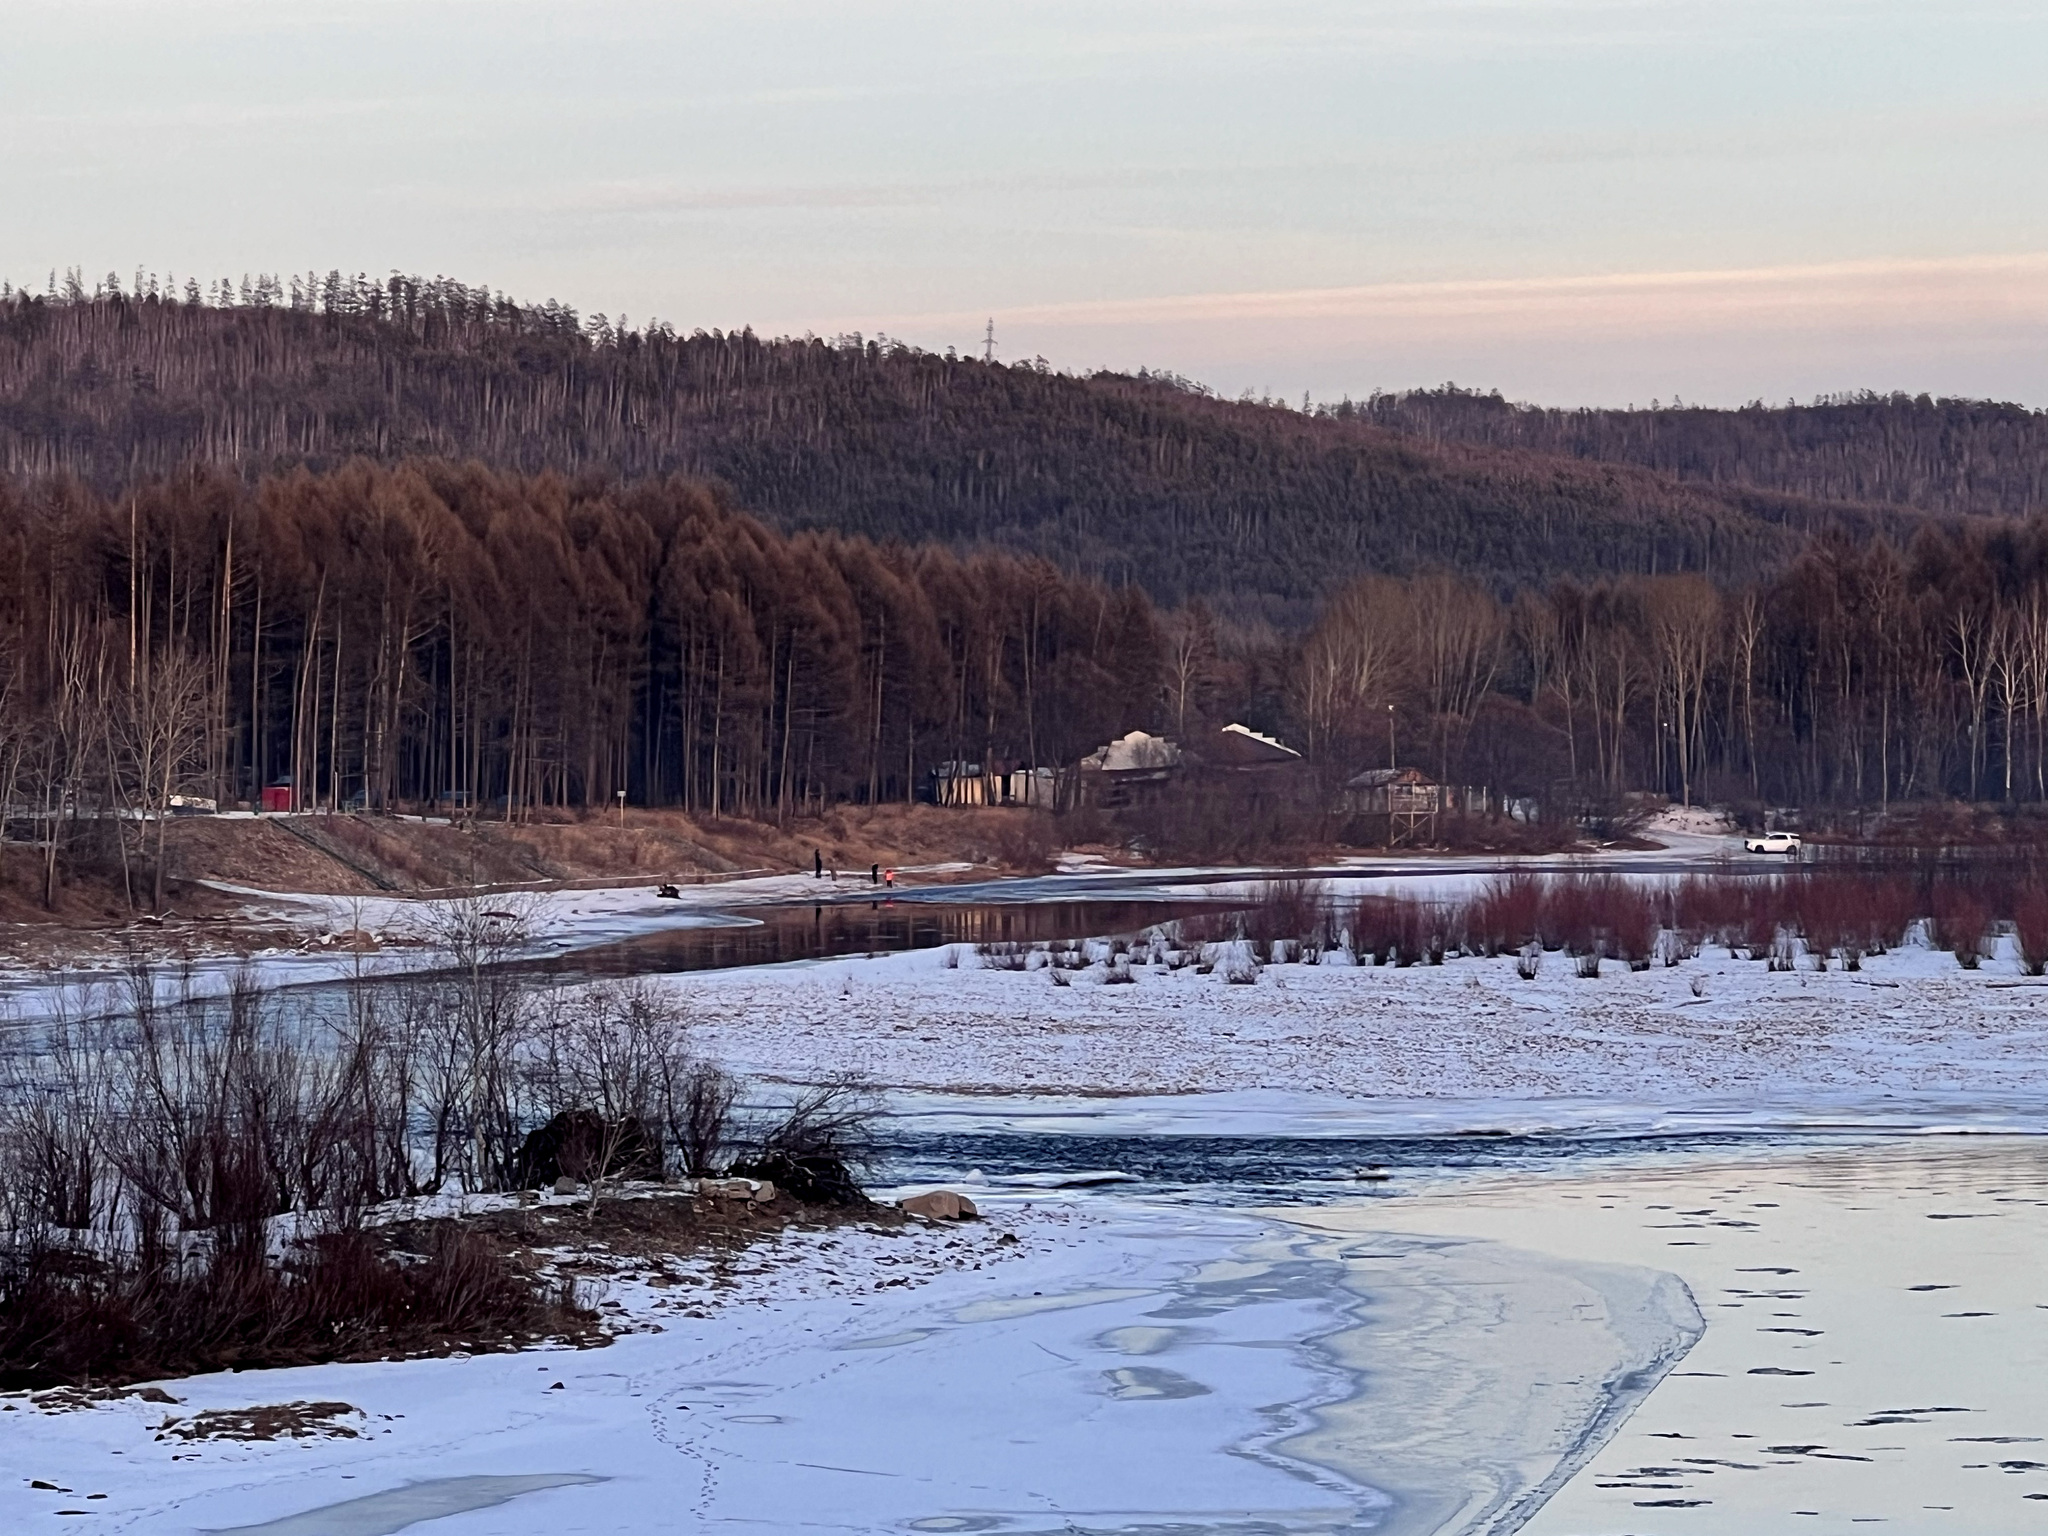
1911,1025
302,938
1115,1371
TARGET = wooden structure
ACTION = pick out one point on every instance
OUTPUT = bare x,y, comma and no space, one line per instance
1410,799
996,783
1128,769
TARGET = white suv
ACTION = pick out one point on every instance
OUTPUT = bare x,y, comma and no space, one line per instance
1772,842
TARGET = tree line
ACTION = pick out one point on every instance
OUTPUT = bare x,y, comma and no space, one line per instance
1863,674
442,635
1253,505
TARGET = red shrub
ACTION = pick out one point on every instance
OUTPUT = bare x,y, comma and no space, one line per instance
1712,907
1601,915
1887,913
1507,915
1960,924
1568,919
1288,910
1627,920
1764,910
1821,906
1383,927
2030,926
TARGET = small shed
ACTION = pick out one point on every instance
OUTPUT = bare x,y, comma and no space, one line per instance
959,783
995,783
1409,798
279,796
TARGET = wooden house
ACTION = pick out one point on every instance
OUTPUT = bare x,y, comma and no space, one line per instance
1128,769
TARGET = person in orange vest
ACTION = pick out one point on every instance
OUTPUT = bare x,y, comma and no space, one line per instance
889,878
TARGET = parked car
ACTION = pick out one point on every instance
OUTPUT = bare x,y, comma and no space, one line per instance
1771,842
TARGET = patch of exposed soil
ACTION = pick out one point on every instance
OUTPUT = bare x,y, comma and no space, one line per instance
71,1399
646,1227
486,1282
271,1421
93,895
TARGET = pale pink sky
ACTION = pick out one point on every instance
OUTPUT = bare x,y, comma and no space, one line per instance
1572,200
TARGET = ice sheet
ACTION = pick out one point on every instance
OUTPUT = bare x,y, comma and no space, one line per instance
1874,1353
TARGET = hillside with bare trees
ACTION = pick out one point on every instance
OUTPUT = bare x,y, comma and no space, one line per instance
1955,457
1255,505
226,571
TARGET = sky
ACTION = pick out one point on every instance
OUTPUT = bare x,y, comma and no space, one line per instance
1573,201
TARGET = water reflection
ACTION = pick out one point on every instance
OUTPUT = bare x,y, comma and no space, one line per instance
1228,1170
836,930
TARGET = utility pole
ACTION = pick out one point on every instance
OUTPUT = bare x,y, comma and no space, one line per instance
988,342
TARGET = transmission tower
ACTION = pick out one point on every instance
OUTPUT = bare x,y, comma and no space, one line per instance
988,342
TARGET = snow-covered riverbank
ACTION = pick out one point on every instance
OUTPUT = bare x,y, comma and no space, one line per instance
1910,1023
1110,1369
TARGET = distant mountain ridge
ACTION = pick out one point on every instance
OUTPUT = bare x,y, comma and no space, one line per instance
1958,457
1131,478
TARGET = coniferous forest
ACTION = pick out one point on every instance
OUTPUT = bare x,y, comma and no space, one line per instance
410,542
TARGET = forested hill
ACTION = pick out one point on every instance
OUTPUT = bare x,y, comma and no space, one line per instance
1141,479
1944,456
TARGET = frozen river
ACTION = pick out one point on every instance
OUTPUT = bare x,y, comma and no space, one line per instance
1435,1251
1700,1334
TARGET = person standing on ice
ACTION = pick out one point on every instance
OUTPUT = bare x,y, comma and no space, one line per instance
817,865
874,874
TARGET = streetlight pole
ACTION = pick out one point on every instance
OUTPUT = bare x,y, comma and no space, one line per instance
1392,761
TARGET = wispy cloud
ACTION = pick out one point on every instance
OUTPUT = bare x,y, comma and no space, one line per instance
1894,290
222,114
656,197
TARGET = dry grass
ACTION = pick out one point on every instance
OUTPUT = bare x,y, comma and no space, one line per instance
487,1283
649,1229
348,855
351,1297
